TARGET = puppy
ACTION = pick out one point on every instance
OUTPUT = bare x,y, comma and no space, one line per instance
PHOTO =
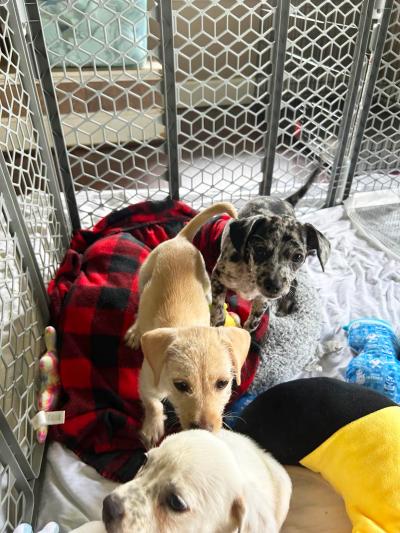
185,360
261,253
198,482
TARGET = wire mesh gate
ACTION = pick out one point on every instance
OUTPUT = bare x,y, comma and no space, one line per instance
107,102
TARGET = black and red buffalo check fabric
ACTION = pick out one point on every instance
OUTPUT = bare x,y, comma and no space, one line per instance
93,299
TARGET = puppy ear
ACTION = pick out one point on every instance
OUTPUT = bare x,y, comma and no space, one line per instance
155,344
317,241
240,231
238,513
238,340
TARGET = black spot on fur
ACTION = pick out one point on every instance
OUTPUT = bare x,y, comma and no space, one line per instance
235,257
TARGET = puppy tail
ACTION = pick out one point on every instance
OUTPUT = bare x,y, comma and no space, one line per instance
296,196
192,227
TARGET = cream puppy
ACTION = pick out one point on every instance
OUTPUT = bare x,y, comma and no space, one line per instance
199,482
185,360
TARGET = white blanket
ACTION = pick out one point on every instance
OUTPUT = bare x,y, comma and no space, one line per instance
360,280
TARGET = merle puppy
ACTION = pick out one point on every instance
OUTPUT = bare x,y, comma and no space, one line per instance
261,253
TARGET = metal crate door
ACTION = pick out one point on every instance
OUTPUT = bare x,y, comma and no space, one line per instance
33,236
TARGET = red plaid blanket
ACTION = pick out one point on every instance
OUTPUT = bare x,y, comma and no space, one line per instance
93,299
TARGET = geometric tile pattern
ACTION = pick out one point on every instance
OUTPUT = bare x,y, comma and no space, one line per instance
11,499
21,342
21,322
22,151
21,345
378,165
319,54
110,97
223,67
108,82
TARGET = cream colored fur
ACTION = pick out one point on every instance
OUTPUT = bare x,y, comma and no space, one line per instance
179,346
226,481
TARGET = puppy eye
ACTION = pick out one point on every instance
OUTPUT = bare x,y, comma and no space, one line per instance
182,386
260,254
297,258
221,384
176,503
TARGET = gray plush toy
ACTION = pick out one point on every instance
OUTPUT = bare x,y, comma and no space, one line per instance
292,340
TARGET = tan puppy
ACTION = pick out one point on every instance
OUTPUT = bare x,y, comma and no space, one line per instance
198,482
185,360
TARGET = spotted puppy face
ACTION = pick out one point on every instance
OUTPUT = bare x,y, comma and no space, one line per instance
191,483
260,256
274,248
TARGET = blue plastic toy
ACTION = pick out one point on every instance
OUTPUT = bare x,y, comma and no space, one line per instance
377,350
233,413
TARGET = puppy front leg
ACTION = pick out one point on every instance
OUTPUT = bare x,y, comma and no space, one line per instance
133,334
258,308
218,299
153,423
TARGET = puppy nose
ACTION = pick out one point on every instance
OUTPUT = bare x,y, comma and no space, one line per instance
272,286
202,425
205,424
113,509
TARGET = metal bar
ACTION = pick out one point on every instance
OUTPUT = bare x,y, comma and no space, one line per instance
168,60
38,487
7,458
60,149
368,93
360,50
28,81
281,23
18,228
15,448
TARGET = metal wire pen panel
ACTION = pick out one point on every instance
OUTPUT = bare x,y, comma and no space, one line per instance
223,66
377,215
22,149
107,102
108,83
11,499
319,56
21,341
378,165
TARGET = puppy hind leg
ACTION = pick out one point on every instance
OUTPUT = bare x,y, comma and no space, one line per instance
203,277
259,307
146,270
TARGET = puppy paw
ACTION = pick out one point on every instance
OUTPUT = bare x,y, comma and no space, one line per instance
251,324
152,431
286,307
132,337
